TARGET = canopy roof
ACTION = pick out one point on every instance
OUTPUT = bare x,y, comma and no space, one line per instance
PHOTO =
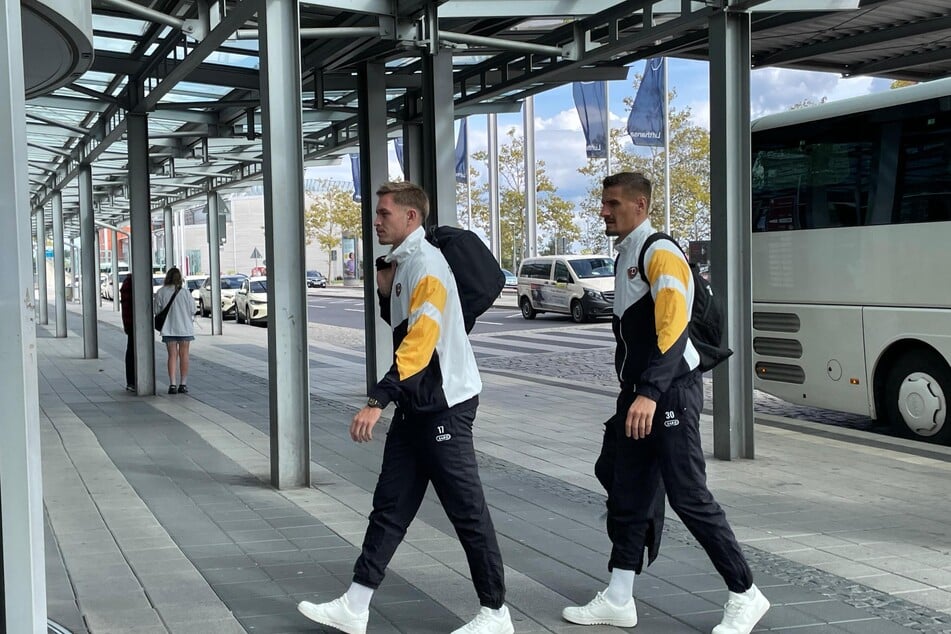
197,76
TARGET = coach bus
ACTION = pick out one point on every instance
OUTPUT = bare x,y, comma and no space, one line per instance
851,252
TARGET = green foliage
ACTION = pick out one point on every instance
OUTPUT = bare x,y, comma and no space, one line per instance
333,213
555,216
901,83
808,103
689,179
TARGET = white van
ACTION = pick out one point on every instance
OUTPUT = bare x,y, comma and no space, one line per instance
578,285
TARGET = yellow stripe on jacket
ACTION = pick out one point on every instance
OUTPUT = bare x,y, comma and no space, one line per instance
426,306
669,277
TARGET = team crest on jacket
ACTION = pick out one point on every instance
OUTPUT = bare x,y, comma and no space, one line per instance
631,272
399,289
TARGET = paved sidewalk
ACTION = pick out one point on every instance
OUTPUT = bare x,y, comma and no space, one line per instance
161,519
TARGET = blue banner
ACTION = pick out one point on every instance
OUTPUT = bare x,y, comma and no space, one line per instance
591,103
355,170
646,122
462,153
398,146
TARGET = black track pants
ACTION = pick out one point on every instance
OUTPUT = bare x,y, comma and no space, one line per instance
130,360
670,457
440,451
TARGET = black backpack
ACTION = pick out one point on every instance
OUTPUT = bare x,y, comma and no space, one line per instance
706,316
478,275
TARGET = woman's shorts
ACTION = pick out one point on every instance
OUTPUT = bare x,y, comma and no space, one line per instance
176,339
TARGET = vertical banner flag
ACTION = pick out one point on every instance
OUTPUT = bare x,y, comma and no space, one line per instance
398,146
646,121
355,170
462,153
591,103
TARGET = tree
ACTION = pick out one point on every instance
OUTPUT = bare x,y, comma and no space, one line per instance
555,216
808,102
333,213
689,179
901,83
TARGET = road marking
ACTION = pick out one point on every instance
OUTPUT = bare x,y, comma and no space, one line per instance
491,323
354,310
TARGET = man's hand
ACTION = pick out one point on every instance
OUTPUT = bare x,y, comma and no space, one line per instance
361,429
639,417
384,280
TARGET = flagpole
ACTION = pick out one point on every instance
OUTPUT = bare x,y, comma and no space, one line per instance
607,156
468,184
666,154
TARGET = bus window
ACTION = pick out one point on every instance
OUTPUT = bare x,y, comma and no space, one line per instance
924,173
811,185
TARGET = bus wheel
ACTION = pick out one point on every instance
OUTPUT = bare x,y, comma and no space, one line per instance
527,311
916,397
577,312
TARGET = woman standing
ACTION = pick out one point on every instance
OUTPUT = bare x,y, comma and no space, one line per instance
179,330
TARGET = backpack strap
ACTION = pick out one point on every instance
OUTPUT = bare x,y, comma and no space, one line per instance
651,239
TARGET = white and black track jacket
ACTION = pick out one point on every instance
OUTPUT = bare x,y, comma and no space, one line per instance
434,367
650,322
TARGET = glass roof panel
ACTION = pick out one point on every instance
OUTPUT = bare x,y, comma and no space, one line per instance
185,91
233,59
119,25
112,44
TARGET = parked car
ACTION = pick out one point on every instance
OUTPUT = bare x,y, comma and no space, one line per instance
579,285
105,288
511,281
316,279
193,282
158,281
229,286
250,302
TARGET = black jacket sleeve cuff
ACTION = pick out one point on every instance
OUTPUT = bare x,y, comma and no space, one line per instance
649,391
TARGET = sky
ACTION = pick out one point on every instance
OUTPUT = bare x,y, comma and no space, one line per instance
559,140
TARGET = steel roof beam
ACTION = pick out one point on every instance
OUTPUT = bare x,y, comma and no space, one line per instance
854,41
900,63
111,126
150,15
58,124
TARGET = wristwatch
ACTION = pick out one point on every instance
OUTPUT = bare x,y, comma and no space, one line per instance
372,402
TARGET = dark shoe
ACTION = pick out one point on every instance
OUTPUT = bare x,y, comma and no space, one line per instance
172,389
182,389
130,388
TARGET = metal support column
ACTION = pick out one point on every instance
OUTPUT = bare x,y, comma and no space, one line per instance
89,279
59,263
439,154
531,212
168,219
284,239
41,283
140,264
495,228
115,271
373,172
214,261
21,477
412,144
730,220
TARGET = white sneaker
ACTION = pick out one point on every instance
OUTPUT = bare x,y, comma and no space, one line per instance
336,614
488,622
600,611
742,612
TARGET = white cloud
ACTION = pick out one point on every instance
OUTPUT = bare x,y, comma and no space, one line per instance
778,89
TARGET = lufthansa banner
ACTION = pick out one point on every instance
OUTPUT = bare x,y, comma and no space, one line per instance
591,103
646,121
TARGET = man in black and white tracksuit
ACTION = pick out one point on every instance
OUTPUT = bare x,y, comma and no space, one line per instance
435,384
653,441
